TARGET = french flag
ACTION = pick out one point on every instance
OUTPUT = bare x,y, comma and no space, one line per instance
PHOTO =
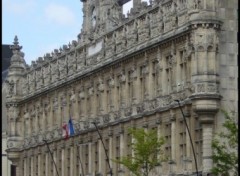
65,130
68,129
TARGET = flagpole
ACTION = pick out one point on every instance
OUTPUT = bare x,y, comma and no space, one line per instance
51,155
194,155
94,123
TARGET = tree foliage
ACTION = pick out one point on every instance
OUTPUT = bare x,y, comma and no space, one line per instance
146,147
225,146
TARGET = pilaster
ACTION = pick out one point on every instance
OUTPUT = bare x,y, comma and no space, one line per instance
206,110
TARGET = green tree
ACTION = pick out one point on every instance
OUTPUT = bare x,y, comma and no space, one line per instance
225,146
146,147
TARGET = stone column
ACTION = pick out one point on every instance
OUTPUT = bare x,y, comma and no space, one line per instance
101,158
90,162
206,110
25,167
39,163
110,149
173,142
64,170
54,152
47,163
72,161
122,151
207,163
32,165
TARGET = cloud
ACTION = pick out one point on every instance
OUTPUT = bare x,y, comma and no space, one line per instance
18,7
59,14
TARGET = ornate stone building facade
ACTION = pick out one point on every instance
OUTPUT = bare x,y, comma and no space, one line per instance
126,72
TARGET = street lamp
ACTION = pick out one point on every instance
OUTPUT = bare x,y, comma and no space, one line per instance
194,155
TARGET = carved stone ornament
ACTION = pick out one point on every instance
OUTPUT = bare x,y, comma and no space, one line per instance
111,82
90,91
122,77
81,94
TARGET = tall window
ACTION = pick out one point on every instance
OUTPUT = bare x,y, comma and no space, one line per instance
86,158
29,166
107,150
198,142
167,134
36,165
142,83
183,69
51,166
108,100
68,161
182,143
59,160
130,88
117,151
169,74
44,164
154,79
129,141
96,156
13,170
78,167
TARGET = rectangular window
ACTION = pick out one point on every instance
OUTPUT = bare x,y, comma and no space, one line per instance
36,165
77,161
107,150
96,156
13,170
59,160
198,142
169,74
129,148
29,166
182,143
167,134
43,164
86,159
68,161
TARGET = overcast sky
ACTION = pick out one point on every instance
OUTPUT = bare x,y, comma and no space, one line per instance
42,25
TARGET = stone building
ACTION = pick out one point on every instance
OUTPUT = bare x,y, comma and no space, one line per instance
6,56
126,72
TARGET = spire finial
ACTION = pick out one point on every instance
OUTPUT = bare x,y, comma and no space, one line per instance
15,40
15,45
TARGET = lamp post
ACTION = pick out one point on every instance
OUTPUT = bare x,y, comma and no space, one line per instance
194,155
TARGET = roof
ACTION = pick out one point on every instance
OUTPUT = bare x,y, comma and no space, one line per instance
6,56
